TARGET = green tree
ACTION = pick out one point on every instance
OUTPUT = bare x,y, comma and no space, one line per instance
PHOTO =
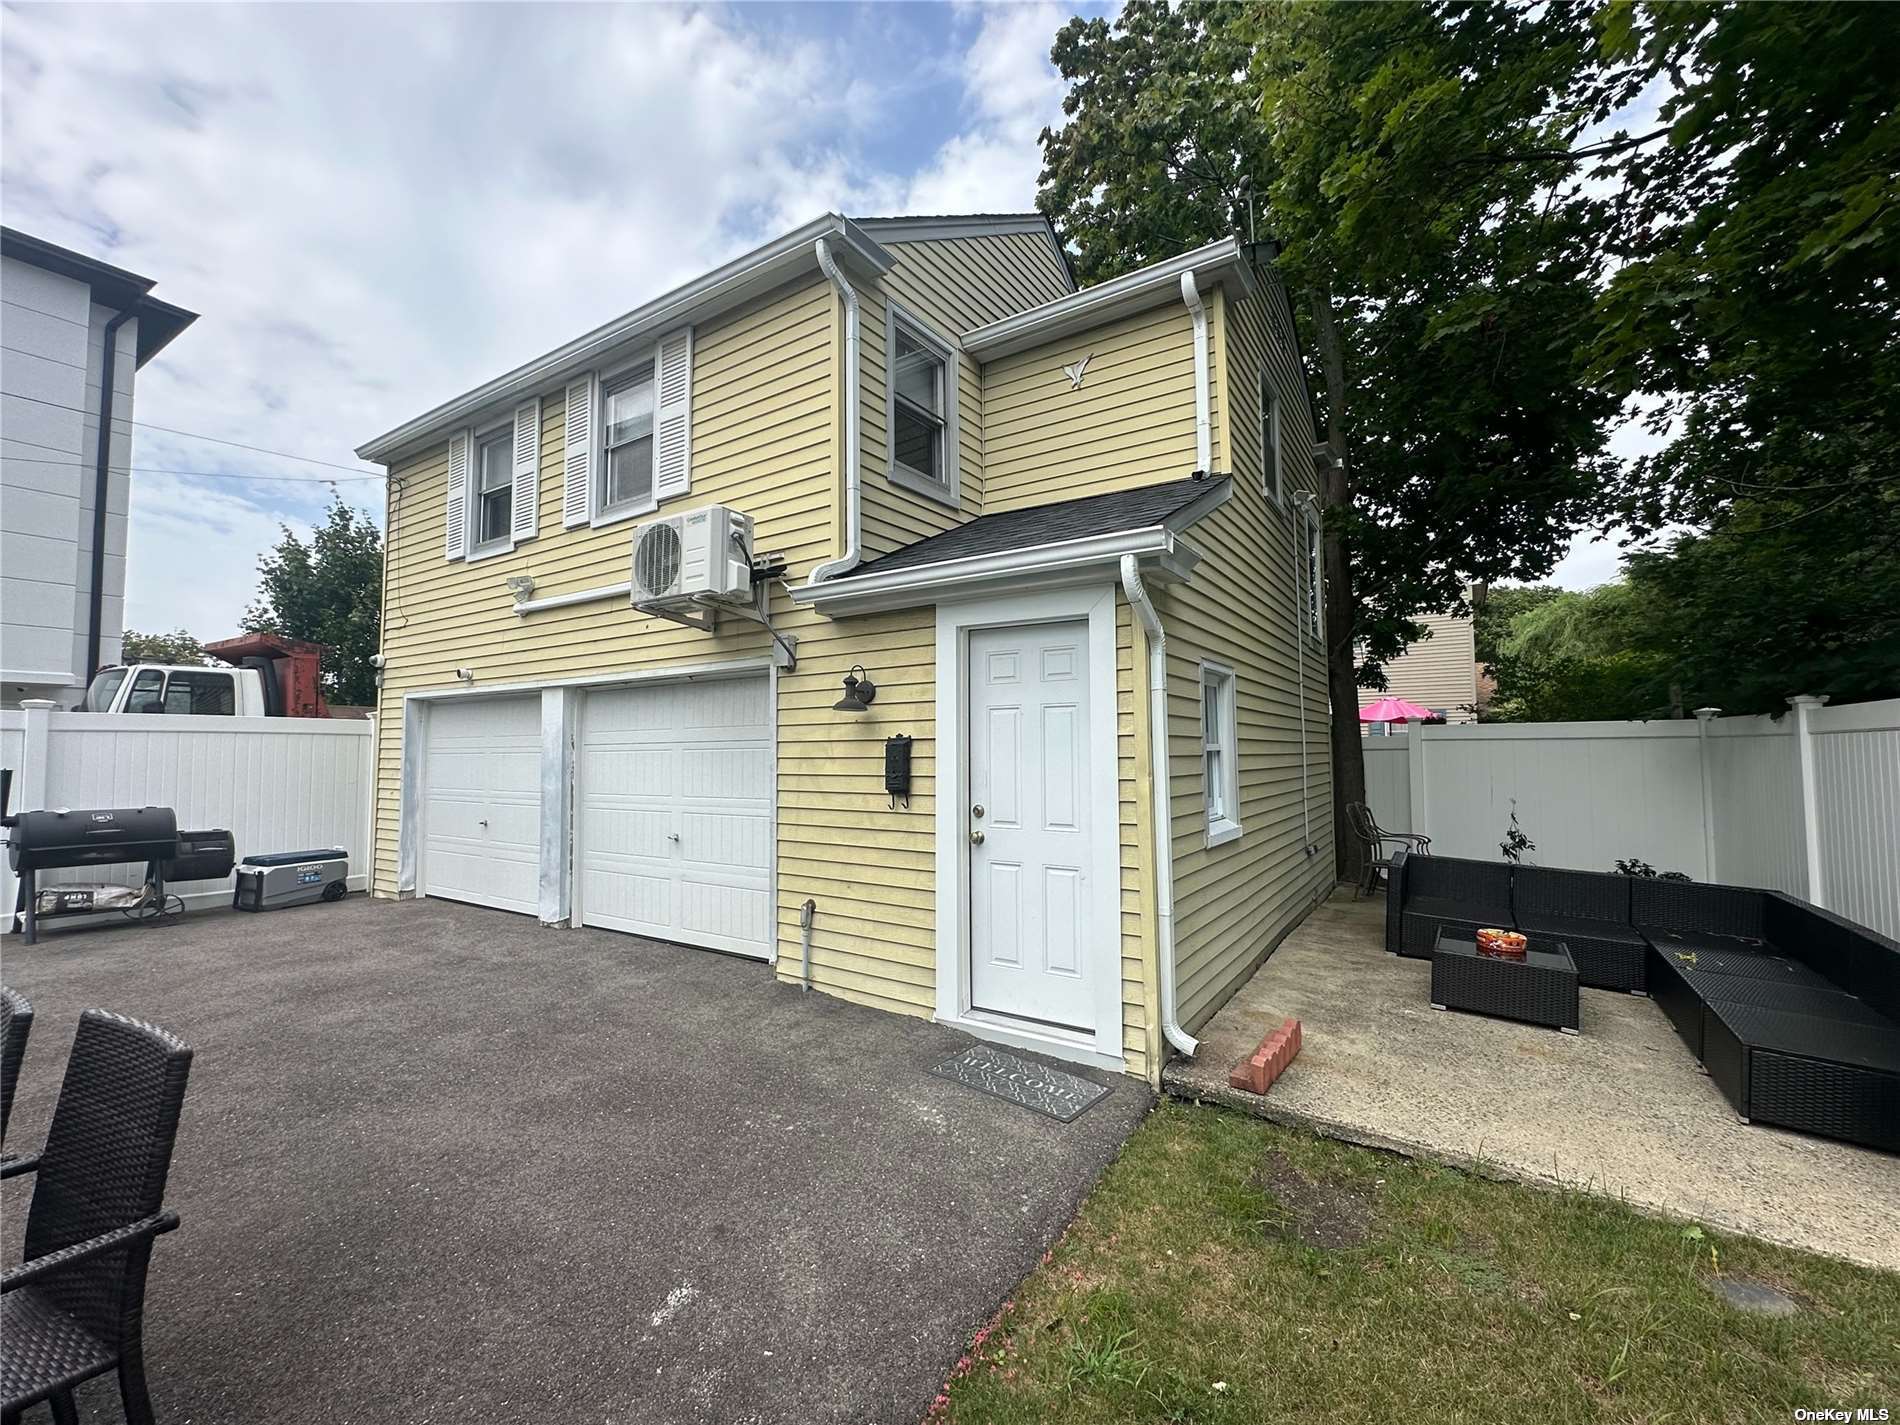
328,591
1494,611
174,647
1445,294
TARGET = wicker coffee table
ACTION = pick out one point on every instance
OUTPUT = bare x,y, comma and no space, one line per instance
1539,989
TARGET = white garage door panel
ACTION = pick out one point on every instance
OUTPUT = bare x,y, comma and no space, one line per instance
481,833
675,813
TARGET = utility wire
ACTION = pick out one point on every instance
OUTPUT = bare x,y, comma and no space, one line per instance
199,435
203,474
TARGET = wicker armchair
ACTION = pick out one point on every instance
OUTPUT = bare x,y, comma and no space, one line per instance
1365,827
74,1307
16,1022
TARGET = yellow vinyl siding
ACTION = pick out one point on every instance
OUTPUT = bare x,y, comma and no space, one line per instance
958,284
1130,423
765,441
1232,902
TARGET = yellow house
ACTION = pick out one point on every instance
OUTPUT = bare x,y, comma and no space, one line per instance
864,606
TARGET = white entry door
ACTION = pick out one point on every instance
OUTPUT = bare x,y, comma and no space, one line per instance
1031,899
481,817
676,799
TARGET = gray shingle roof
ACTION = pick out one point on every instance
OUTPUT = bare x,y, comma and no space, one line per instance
1044,524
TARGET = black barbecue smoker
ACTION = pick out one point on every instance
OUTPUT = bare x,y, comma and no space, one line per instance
115,836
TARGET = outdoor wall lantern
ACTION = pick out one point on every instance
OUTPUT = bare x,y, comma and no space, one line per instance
859,691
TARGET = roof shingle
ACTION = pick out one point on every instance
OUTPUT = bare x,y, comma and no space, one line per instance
1081,518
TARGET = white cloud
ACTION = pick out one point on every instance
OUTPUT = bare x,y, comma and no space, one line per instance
375,207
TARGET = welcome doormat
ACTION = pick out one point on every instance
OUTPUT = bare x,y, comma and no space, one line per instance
1023,1081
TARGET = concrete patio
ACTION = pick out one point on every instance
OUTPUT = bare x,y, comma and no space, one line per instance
440,1164
1622,1109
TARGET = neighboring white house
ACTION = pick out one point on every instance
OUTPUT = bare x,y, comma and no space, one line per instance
1440,672
61,311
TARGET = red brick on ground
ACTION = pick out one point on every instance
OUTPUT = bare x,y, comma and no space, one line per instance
1258,1070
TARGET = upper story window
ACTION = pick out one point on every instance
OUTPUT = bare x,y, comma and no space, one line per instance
1219,757
626,473
494,486
1269,439
1315,577
921,408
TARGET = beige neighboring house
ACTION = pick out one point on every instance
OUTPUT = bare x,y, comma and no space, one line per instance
635,589
1440,672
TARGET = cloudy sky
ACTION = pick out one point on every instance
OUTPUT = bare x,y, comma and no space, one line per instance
376,207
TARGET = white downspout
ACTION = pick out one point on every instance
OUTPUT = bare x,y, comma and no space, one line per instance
1203,428
853,423
1163,814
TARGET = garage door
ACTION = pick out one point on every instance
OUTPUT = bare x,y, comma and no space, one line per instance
481,826
675,799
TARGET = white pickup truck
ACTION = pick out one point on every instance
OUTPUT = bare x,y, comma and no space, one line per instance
267,676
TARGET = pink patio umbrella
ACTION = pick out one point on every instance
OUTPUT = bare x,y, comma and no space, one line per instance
1393,710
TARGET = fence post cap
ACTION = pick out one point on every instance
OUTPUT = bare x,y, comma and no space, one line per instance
1707,713
36,704
1808,700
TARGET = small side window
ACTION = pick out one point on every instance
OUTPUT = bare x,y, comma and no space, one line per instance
626,475
1220,771
921,408
1269,439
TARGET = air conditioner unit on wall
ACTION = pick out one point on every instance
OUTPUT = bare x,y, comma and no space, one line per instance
703,555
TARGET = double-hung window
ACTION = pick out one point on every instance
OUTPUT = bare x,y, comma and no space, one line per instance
1315,577
1269,439
1220,771
626,472
922,409
494,486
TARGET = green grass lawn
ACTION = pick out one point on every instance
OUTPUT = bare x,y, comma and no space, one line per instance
1226,1270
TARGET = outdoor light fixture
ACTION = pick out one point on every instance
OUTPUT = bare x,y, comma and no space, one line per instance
859,692
522,587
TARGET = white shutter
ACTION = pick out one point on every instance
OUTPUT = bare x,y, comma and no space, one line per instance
577,465
673,414
456,526
525,503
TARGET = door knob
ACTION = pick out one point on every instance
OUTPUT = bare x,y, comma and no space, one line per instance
976,838
672,836
977,810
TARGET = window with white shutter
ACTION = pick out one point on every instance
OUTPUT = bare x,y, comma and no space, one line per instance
492,472
456,524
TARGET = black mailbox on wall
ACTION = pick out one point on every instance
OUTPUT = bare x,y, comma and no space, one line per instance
897,768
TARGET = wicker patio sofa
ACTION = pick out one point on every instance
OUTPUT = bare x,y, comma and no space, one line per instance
1792,1010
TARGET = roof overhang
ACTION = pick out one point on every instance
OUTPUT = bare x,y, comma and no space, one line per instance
111,286
1163,552
1122,296
752,275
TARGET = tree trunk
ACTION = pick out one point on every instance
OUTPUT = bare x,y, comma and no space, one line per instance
1349,754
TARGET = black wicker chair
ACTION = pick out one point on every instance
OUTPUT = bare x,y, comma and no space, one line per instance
74,1308
1590,912
1448,893
1374,838
16,1023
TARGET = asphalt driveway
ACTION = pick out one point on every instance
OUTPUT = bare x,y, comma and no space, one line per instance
440,1164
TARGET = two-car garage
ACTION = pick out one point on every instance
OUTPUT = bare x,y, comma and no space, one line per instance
671,790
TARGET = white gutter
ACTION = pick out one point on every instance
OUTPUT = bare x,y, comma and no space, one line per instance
1144,608
1203,426
853,422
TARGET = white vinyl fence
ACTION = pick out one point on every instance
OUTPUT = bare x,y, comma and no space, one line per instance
1808,803
277,784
